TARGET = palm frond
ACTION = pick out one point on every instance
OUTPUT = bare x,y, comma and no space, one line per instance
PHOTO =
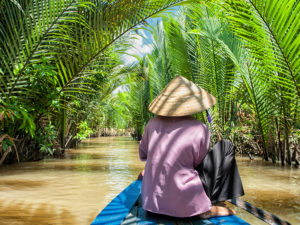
70,34
270,29
218,57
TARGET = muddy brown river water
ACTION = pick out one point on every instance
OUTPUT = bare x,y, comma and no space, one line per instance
74,189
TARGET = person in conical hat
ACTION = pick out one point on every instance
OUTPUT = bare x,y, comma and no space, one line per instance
181,97
182,178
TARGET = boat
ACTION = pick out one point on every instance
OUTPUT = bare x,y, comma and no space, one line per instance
127,209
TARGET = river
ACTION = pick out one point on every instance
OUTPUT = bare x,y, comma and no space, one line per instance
74,189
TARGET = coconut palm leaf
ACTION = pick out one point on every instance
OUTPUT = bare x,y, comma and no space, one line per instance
177,49
270,29
215,55
264,103
71,34
159,63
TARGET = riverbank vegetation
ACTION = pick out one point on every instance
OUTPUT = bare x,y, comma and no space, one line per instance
62,77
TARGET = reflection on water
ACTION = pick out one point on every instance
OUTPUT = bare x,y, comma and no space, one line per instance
272,188
70,190
73,190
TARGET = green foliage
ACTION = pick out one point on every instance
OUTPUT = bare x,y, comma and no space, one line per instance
56,55
70,34
236,51
43,79
270,73
46,139
15,113
83,131
54,52
6,143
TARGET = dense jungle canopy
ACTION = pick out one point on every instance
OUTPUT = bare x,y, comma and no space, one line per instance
63,74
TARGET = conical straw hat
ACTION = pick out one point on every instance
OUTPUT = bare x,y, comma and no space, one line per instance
181,97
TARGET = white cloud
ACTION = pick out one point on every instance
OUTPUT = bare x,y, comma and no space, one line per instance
139,48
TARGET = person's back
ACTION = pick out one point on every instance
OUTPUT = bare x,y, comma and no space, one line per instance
174,144
173,147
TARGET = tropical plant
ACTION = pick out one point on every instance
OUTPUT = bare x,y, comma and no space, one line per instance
69,36
137,99
218,56
236,50
84,131
269,30
53,54
46,139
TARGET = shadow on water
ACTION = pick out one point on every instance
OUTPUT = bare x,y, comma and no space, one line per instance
75,167
20,212
271,187
74,189
21,184
71,190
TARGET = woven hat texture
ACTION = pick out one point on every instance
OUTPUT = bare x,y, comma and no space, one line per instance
181,97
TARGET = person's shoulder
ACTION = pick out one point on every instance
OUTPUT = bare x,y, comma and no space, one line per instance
159,119
152,121
197,123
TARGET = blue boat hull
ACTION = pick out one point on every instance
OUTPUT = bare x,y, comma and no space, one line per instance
126,209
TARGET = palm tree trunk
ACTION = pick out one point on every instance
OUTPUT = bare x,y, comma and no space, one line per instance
4,155
279,143
286,142
62,123
272,147
265,150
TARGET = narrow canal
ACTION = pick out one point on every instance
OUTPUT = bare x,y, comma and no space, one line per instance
74,189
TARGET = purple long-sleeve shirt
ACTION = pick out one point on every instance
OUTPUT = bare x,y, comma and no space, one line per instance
173,147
